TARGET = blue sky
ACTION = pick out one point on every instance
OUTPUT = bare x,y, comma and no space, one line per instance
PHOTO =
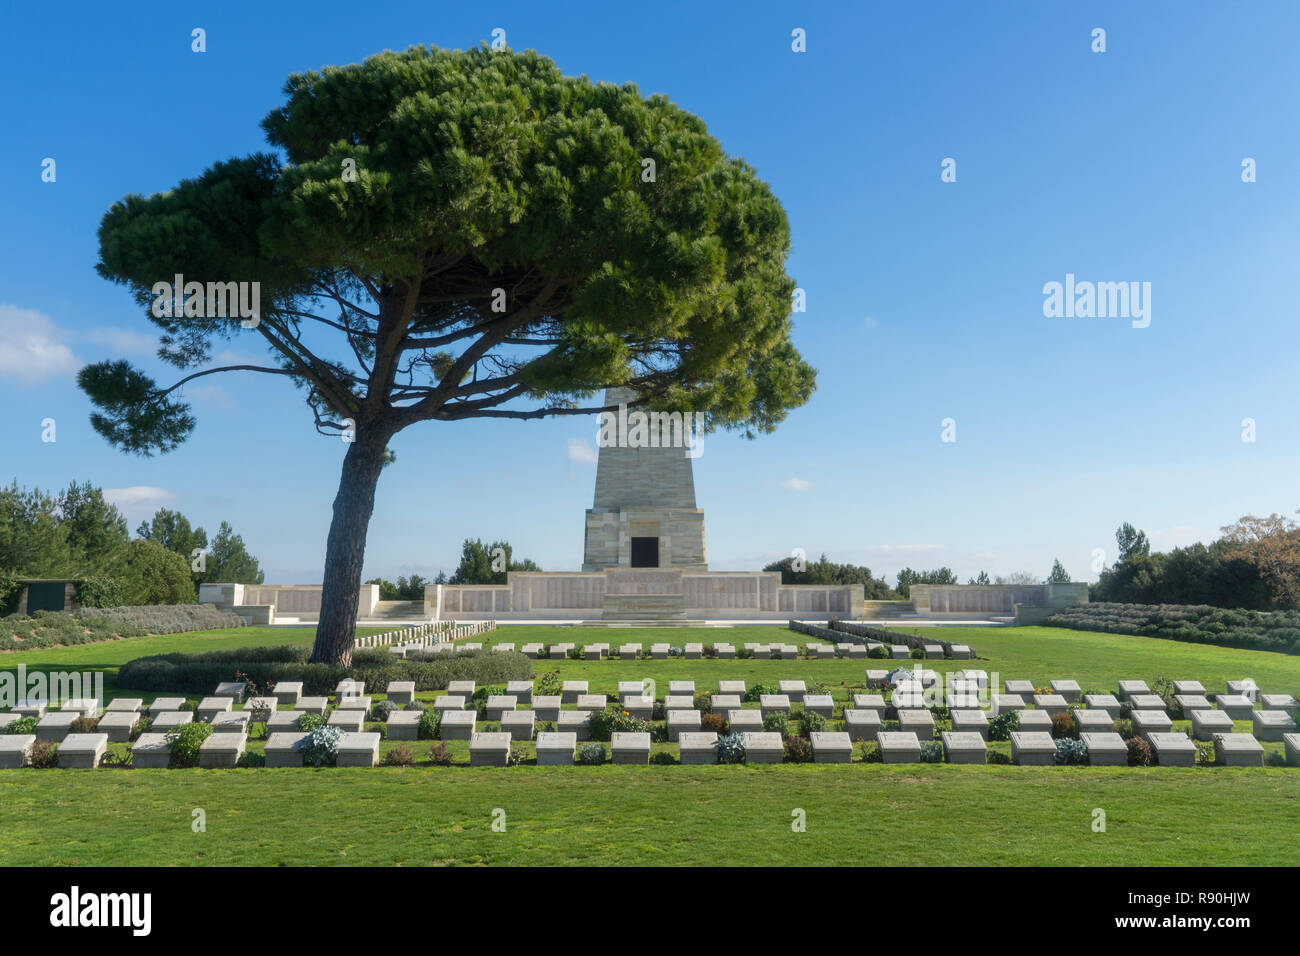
925,298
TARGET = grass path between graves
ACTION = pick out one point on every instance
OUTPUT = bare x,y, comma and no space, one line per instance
855,815
1097,661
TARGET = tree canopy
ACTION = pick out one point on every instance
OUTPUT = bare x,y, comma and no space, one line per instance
826,571
1246,568
487,563
907,577
442,235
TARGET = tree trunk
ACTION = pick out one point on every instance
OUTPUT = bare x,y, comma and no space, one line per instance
345,550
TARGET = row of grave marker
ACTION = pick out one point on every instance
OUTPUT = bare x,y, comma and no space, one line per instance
439,632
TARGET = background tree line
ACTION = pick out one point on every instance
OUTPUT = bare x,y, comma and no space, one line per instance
76,533
1254,565
480,563
825,571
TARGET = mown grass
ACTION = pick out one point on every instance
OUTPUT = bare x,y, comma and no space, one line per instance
1016,653
670,816
865,814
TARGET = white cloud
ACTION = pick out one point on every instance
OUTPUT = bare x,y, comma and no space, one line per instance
123,340
229,357
139,501
580,450
30,346
796,484
213,395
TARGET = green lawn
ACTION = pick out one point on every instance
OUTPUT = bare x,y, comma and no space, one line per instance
108,656
857,814
672,816
1016,653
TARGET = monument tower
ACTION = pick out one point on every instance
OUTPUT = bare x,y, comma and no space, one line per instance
644,513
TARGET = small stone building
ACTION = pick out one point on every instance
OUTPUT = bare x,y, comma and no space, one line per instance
47,594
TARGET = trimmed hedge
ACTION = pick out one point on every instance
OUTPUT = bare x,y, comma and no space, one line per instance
199,673
885,636
1194,623
62,628
164,618
855,632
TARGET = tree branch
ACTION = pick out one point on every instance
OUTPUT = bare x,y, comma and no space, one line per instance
227,368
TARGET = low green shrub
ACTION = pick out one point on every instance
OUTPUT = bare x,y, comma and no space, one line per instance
197,674
1123,727
1205,753
101,592
731,748
777,722
251,758
870,751
1194,623
592,755
1071,751
381,709
23,725
65,628
996,756
430,726
605,723
662,758
162,618
117,759
321,749
1001,726
931,751
548,685
185,741
813,722
898,675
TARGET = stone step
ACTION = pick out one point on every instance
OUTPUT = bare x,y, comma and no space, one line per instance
641,607
397,610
